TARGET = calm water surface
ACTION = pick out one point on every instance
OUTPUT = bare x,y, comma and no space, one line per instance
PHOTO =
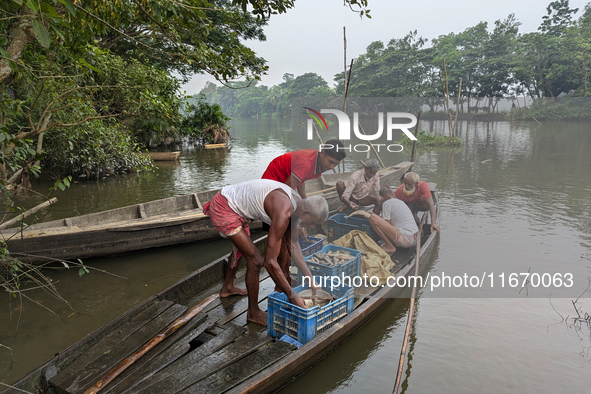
514,198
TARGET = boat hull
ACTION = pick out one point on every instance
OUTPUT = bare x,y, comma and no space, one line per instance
215,146
163,156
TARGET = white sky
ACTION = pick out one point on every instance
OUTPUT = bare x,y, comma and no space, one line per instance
309,37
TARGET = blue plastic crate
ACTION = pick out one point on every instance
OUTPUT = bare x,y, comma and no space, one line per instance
312,245
341,224
284,318
351,268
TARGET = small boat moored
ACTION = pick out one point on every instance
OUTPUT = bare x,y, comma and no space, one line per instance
163,156
215,146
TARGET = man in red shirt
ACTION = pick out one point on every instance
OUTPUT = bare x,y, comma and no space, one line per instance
416,194
294,168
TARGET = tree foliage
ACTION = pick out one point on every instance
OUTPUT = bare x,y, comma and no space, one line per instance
493,62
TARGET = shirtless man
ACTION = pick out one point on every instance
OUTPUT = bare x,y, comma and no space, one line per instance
277,205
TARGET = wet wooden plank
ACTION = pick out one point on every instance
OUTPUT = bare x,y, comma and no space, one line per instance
237,372
159,382
240,320
161,356
184,374
237,308
116,336
83,379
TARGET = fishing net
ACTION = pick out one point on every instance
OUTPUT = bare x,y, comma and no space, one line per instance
374,261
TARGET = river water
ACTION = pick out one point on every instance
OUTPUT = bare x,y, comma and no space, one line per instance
514,198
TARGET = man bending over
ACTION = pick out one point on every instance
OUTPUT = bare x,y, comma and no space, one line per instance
273,203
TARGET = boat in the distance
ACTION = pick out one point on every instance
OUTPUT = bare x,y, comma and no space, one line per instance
215,146
166,222
217,350
163,156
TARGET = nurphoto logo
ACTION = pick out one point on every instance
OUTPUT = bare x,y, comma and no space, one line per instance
344,127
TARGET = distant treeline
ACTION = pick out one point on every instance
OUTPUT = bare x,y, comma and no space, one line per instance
502,63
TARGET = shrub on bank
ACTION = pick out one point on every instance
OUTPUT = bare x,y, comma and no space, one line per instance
206,121
560,109
93,150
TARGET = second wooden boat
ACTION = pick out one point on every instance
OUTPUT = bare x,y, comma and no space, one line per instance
165,222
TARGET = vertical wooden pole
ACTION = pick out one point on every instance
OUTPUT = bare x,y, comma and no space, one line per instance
414,143
410,311
457,108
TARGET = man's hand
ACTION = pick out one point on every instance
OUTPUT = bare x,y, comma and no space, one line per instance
436,228
303,234
353,206
314,287
298,301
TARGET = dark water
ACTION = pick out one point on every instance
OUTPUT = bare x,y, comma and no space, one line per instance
514,198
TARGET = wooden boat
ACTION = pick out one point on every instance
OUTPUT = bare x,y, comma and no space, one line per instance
217,351
215,146
165,222
163,156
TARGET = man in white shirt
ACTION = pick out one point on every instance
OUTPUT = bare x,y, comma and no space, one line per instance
273,203
397,226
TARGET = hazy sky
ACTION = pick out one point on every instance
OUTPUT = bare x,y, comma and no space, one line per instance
309,37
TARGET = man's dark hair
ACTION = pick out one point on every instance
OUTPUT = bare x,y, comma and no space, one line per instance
337,149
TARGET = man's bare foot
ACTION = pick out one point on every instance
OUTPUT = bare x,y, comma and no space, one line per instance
258,317
230,291
389,250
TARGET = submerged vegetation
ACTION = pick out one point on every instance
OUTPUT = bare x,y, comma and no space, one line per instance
434,140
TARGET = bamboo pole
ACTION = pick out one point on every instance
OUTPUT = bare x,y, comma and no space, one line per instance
25,214
447,100
345,85
410,312
321,191
457,108
172,327
414,143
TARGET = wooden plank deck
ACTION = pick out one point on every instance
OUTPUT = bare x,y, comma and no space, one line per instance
189,360
217,351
